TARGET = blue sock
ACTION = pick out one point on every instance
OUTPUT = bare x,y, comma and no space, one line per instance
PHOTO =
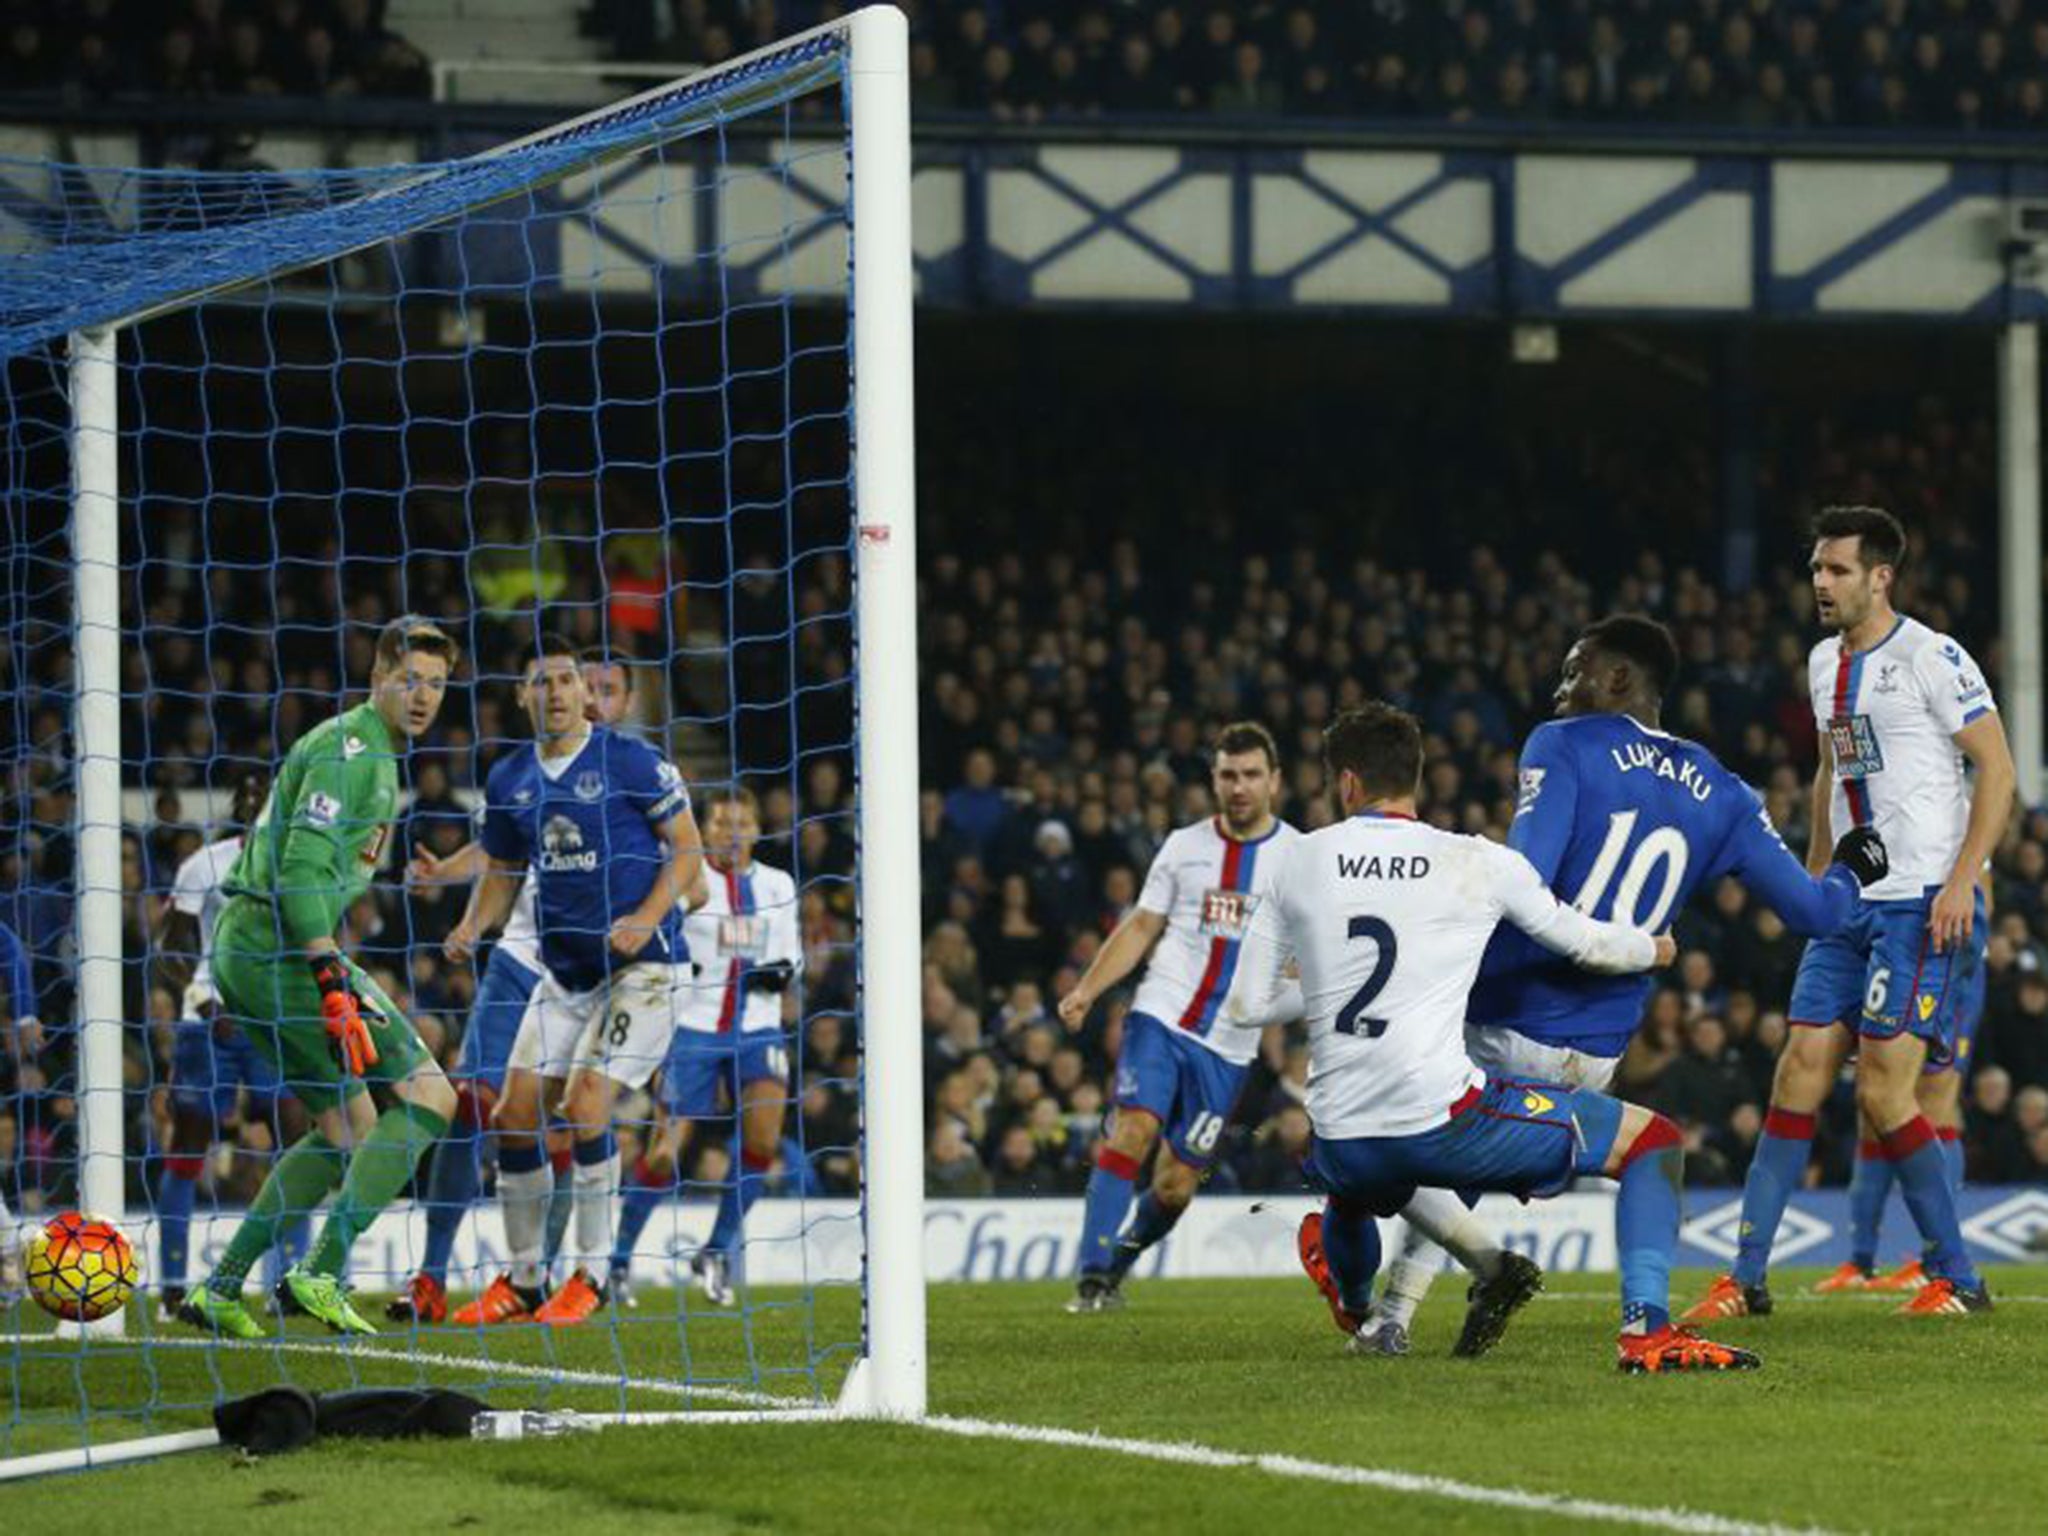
644,1192
1922,1170
1952,1154
1646,1213
1869,1187
1103,1212
1150,1224
1777,1169
1351,1243
453,1184
738,1199
176,1189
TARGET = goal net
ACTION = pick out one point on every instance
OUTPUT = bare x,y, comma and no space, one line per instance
637,388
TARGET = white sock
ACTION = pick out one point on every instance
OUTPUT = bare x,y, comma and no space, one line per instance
524,1199
594,1184
1436,1220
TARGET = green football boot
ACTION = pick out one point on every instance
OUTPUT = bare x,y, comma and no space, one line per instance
210,1312
323,1298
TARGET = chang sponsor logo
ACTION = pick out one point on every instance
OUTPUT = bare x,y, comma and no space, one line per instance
562,851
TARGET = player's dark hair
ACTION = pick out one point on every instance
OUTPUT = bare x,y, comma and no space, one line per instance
1880,537
1641,641
410,633
605,656
1248,736
549,645
1379,743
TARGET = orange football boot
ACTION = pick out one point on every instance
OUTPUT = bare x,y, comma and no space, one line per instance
1308,1243
1909,1276
1944,1298
1728,1297
1847,1277
579,1297
1679,1349
501,1302
422,1301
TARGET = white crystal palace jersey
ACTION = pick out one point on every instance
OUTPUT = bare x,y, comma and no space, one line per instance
196,892
1387,918
1208,886
1890,714
750,920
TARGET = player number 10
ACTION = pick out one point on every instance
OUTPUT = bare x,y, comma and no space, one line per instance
1664,845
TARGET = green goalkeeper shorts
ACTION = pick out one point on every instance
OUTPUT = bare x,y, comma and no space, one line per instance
267,988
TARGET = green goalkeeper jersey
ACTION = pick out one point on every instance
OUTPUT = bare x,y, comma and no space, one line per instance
322,832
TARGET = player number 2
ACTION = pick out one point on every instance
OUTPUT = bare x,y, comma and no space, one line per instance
1350,1019
1665,846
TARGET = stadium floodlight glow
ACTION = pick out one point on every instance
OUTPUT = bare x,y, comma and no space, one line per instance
645,376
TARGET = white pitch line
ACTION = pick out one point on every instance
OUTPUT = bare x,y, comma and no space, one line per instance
1563,1506
1998,1298
657,1385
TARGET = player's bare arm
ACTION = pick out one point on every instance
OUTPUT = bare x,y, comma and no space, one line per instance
1983,742
681,878
177,950
1820,840
1124,953
490,903
465,864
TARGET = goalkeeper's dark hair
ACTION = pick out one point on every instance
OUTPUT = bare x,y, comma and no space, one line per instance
1641,641
1381,744
1248,736
411,634
549,645
1880,537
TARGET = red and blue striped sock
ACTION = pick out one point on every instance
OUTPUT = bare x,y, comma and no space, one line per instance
1916,1157
1775,1171
1107,1203
1150,1224
1646,1213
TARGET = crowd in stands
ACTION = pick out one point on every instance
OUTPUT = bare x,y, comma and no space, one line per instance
1074,670
187,49
1950,65
1943,65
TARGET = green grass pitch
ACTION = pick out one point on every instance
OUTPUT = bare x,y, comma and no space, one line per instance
1859,1421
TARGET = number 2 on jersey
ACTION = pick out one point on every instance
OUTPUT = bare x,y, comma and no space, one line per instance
1349,1020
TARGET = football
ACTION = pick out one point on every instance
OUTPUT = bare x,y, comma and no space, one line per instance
80,1267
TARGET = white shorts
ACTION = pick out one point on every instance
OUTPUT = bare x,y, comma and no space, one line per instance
621,1030
1502,1052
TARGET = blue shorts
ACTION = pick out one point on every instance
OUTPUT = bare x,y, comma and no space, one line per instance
1969,1014
1183,1084
1519,1138
211,1062
501,998
699,1064
1881,972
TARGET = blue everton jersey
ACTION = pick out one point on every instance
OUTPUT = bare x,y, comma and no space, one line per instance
590,829
1625,823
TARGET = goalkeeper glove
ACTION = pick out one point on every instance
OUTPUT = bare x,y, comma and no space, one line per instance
1862,852
773,977
348,1038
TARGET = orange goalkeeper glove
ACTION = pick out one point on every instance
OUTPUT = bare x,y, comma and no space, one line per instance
348,1038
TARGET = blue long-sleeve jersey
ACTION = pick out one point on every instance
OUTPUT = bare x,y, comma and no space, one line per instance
1625,823
21,984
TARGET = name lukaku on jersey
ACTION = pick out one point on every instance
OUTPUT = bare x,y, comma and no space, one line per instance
561,848
1645,756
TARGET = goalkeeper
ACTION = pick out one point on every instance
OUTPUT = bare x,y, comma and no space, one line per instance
317,1016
